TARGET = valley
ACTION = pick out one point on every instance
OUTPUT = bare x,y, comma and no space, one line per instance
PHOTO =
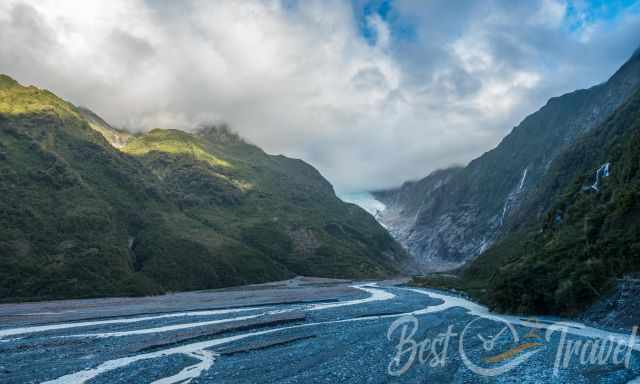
547,221
305,329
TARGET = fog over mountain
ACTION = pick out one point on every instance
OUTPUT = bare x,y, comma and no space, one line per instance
372,93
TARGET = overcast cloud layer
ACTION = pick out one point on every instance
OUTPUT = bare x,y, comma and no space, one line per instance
372,94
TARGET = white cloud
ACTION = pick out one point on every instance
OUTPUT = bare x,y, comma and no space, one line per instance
551,13
382,32
299,78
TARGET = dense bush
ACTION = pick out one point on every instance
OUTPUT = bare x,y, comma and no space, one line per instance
169,211
588,237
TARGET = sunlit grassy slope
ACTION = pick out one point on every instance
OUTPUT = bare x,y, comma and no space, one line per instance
167,211
172,142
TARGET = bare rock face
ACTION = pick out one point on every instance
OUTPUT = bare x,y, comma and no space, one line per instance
620,309
453,215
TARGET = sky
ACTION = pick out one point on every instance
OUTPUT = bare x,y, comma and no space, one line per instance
371,92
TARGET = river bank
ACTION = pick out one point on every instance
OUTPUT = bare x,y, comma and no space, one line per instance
351,332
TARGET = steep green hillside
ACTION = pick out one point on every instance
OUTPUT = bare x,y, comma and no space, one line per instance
167,211
588,235
117,137
591,232
280,206
461,215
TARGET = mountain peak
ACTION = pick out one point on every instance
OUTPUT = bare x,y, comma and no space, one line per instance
220,133
176,211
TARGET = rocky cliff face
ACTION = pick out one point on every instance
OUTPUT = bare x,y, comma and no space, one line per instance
577,238
452,216
619,309
589,233
403,212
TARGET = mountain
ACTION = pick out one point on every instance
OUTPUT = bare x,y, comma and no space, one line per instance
89,210
117,137
587,238
454,215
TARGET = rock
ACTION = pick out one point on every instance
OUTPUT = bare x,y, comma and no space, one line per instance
216,329
620,309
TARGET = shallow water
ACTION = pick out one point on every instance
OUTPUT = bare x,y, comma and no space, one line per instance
355,340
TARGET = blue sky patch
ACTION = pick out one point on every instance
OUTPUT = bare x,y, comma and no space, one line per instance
400,29
581,14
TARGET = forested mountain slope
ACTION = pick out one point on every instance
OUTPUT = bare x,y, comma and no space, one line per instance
88,210
578,232
454,215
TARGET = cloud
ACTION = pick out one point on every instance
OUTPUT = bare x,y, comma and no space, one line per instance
370,98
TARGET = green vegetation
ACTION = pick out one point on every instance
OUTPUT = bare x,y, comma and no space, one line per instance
173,142
18,100
482,201
169,211
117,137
577,240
